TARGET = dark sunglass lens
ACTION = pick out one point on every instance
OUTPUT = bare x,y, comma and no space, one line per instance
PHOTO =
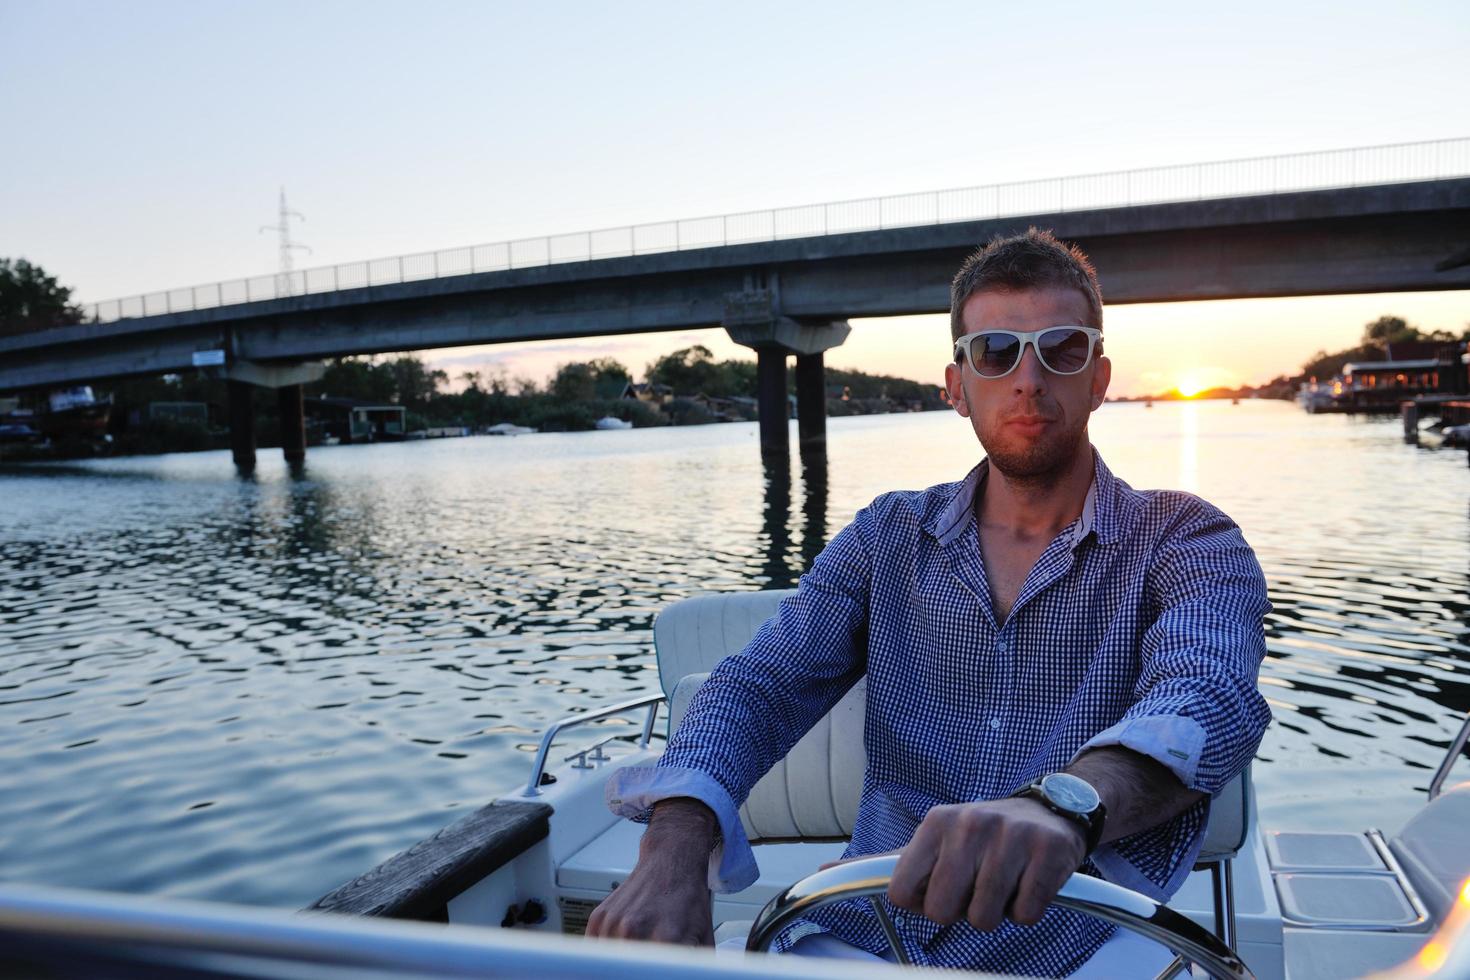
993,354
1064,351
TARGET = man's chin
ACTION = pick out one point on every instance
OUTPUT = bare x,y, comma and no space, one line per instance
1038,462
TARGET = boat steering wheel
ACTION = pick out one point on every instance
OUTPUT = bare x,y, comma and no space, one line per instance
869,877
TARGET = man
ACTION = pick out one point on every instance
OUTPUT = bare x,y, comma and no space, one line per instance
1038,618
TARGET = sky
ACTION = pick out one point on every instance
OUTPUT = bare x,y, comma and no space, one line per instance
145,143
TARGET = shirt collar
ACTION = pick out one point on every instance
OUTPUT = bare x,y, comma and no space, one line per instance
1098,510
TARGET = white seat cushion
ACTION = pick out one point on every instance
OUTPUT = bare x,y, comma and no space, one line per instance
692,635
813,792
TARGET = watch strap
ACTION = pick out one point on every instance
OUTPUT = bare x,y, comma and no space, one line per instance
1090,823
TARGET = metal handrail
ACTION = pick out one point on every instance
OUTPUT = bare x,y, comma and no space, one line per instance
869,878
1457,745
650,701
46,931
1240,177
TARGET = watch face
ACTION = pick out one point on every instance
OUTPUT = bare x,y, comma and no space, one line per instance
1070,793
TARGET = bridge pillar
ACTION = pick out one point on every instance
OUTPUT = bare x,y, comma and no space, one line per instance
772,401
242,377
811,400
242,425
751,320
293,424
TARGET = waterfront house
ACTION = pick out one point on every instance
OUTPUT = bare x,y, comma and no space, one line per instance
355,420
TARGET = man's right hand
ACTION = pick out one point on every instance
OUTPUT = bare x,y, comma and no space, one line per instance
667,897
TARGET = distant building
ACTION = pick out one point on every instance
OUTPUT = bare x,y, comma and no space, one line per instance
652,394
355,420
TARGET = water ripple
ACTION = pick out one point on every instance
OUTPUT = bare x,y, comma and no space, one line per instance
251,690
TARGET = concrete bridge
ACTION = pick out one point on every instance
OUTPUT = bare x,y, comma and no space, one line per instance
789,295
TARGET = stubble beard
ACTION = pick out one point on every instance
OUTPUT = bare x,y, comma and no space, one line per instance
1036,465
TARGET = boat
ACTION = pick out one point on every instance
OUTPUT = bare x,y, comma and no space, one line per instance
609,422
17,431
508,429
1273,904
75,413
1316,396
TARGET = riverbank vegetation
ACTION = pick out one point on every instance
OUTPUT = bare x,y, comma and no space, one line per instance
187,412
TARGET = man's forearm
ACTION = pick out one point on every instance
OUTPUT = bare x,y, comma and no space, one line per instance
1139,792
681,829
667,895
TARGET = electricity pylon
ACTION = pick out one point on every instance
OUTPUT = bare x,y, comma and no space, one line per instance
283,228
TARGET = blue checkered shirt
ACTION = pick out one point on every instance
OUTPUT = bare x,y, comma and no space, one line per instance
1140,625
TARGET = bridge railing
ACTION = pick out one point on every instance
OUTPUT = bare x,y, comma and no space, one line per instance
1322,170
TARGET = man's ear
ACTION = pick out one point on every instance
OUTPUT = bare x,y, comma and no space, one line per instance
953,384
1102,374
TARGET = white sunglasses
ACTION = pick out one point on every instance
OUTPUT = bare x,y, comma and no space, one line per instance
1061,350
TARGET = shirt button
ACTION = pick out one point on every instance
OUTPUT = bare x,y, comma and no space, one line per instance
995,724
1000,645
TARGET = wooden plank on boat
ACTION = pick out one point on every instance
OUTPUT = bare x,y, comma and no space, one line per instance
418,883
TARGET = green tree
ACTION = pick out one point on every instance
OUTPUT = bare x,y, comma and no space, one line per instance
414,383
356,377
574,382
694,370
31,300
609,377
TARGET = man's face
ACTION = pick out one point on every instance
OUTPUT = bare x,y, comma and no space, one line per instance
1031,422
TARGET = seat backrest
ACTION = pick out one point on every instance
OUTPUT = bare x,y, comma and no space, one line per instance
692,635
1230,817
813,792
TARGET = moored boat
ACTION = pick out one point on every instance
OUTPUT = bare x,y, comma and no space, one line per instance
75,413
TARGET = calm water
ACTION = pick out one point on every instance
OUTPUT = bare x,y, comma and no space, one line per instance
252,690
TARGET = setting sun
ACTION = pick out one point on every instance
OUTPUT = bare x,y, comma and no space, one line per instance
1190,385
1195,381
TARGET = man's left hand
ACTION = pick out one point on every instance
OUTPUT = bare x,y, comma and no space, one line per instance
983,862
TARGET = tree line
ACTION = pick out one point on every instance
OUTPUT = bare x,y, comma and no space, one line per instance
1378,336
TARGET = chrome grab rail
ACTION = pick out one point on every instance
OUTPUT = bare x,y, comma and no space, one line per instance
47,932
650,701
869,877
1457,745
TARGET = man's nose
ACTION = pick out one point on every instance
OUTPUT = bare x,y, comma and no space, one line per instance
1030,378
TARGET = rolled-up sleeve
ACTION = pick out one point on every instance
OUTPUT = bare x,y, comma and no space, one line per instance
758,703
1196,708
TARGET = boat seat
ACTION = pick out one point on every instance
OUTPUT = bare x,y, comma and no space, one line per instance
1230,818
813,793
1434,849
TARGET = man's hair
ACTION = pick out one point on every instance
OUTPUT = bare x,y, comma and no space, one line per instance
1033,260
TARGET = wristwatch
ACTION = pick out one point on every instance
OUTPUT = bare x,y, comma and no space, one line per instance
1071,797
